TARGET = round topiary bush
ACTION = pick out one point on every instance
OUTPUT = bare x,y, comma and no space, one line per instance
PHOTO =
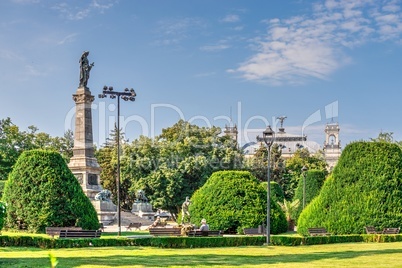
314,181
41,191
365,189
233,200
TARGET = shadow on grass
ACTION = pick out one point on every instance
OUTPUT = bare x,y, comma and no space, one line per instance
191,260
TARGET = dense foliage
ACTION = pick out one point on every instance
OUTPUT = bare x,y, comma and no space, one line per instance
314,180
172,165
13,142
365,189
2,183
41,191
233,200
302,158
2,214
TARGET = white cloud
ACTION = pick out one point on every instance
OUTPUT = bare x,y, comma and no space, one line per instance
205,74
214,48
231,18
26,1
312,45
67,39
9,55
174,31
81,12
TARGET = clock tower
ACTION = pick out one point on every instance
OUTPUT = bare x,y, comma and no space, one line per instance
332,145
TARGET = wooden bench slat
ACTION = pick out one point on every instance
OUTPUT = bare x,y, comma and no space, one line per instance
316,231
370,230
80,234
391,231
165,231
254,231
56,230
136,225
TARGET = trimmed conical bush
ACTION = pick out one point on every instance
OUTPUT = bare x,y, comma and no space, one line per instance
365,189
41,191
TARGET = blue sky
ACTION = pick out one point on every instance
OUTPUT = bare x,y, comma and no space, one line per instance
206,62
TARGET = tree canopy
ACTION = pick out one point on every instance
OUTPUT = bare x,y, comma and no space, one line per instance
172,165
13,142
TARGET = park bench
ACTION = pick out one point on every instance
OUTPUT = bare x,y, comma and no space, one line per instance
370,230
156,231
391,231
318,231
136,225
254,231
52,231
197,233
80,234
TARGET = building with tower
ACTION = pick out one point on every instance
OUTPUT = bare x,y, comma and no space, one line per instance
231,131
332,144
290,143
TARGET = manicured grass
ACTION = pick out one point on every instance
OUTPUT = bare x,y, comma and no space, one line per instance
334,255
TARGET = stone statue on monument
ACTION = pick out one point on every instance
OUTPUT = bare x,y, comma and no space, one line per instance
85,69
185,213
141,198
103,195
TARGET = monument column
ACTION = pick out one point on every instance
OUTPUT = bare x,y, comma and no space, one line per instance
83,164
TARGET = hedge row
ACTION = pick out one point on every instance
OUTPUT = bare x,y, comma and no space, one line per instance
191,242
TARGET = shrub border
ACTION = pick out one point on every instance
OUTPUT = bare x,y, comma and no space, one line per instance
191,242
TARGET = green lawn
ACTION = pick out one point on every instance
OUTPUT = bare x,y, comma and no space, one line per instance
332,255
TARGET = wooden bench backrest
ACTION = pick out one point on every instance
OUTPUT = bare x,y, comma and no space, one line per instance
253,231
165,231
56,230
317,231
80,234
370,230
135,224
390,231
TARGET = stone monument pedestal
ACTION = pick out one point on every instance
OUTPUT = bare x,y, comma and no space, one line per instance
106,210
143,210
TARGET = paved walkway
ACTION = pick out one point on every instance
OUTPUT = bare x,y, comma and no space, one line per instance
114,228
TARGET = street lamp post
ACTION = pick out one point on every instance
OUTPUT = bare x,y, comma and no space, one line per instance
126,95
304,169
269,136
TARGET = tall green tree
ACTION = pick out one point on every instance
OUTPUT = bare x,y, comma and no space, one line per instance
107,159
258,166
302,158
313,179
13,142
178,162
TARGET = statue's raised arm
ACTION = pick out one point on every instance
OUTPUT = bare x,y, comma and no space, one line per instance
85,69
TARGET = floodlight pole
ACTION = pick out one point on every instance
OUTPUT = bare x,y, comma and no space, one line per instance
125,95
